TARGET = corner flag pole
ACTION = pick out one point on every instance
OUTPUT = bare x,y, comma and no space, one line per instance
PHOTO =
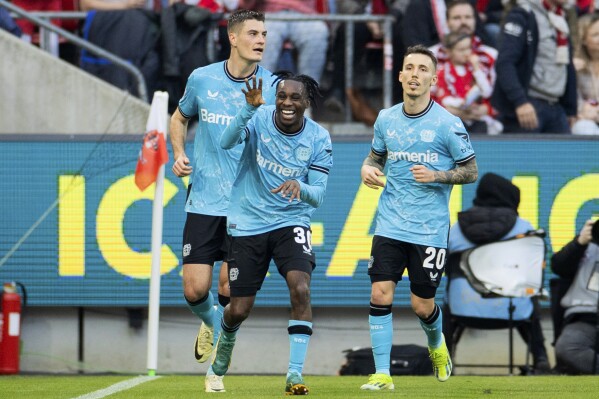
157,120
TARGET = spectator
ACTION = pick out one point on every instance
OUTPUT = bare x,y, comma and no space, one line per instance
490,13
463,88
8,24
536,81
585,6
364,33
223,47
576,346
310,38
461,18
493,217
107,29
587,75
105,5
426,22
31,32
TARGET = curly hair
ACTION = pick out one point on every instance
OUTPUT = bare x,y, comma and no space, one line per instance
309,83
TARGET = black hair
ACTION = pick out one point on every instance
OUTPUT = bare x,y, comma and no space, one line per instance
420,49
240,16
309,83
455,3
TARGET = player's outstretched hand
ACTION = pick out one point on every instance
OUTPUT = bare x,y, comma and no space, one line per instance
370,177
253,94
289,187
181,167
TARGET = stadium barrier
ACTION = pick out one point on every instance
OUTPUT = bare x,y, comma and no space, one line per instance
76,230
42,18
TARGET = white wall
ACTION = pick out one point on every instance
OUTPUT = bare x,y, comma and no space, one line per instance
42,94
50,341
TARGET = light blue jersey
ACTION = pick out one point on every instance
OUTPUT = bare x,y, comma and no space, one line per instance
215,96
271,157
408,211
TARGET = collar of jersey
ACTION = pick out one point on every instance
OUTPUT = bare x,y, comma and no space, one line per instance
274,121
233,78
418,115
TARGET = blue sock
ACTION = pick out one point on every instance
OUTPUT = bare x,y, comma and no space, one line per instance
218,315
299,338
228,333
381,339
433,328
204,308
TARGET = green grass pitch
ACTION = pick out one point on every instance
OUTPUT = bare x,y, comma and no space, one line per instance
184,387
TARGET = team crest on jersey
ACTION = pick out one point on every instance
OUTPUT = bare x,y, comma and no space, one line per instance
427,136
303,153
186,249
233,274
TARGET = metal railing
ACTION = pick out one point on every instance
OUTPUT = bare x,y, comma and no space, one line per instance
42,19
350,21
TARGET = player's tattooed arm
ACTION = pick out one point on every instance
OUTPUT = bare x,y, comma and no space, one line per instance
375,160
372,169
462,174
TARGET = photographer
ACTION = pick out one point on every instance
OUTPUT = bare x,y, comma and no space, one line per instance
576,347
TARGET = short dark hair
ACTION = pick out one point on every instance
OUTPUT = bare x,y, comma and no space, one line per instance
453,38
420,49
454,3
240,16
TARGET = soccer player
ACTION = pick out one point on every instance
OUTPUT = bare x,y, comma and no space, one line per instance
281,181
426,150
214,94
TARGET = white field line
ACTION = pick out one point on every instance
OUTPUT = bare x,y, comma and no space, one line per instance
118,387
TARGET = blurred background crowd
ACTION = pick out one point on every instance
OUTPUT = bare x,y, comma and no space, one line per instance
505,66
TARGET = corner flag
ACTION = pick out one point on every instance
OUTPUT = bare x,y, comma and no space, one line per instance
150,168
153,153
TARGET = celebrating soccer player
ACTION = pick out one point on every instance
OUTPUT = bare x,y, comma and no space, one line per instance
214,94
281,181
426,150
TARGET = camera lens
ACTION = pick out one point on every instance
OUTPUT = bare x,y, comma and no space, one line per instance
595,232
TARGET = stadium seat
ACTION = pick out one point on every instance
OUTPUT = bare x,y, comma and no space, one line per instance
511,270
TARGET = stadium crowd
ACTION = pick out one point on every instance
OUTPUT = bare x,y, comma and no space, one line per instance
490,74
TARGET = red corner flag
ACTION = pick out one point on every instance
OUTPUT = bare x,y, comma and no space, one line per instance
152,156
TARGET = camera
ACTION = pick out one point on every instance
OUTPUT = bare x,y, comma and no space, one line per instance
595,232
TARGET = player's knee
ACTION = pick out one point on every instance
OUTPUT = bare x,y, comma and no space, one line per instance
423,309
239,310
300,293
194,293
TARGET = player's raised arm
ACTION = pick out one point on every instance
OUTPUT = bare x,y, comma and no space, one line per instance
253,97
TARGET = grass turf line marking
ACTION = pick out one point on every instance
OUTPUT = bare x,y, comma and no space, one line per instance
118,387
